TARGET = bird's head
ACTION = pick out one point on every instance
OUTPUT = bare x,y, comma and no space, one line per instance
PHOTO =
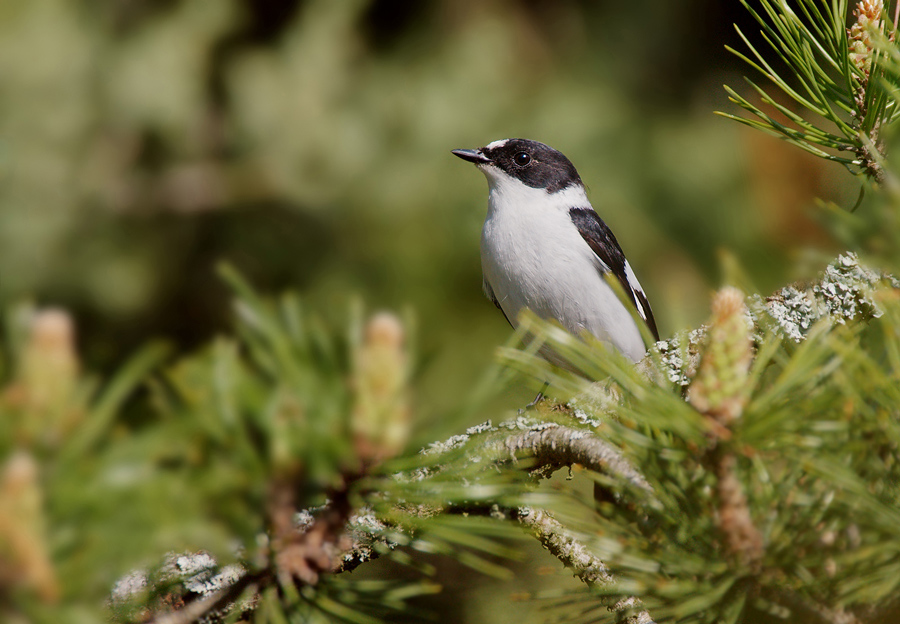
532,163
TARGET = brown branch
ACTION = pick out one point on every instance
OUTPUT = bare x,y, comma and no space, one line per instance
553,445
550,445
563,545
720,391
303,554
213,603
872,161
337,539
575,555
742,538
361,542
804,610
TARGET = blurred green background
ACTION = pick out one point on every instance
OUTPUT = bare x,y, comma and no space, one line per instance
307,142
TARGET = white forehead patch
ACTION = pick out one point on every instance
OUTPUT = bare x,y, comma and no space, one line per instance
496,144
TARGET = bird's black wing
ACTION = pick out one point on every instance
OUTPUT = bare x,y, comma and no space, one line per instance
605,246
489,293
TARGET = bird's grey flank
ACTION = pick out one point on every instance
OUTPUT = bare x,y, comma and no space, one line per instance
543,247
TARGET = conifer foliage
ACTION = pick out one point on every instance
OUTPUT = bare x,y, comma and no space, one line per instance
746,471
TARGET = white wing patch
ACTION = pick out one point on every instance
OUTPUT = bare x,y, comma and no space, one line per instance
635,288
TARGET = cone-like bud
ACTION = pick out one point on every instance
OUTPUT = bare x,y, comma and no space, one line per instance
720,386
380,422
720,390
45,385
24,558
868,18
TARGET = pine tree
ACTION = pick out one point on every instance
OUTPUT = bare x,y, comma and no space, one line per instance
746,471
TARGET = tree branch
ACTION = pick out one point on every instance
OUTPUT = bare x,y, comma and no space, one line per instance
555,446
220,600
574,555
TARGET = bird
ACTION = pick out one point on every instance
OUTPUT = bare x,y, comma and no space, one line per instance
545,248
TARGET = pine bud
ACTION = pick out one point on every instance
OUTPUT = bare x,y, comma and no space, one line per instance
24,560
720,386
48,373
868,18
380,421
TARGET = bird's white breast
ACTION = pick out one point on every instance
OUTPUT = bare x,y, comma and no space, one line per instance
533,256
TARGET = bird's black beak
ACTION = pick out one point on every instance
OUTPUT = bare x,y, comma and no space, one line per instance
473,156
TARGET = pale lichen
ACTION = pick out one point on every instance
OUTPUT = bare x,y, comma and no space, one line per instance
364,532
792,310
843,293
845,290
460,440
189,576
129,586
680,354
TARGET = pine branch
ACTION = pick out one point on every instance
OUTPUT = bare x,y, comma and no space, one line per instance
842,294
309,545
719,372
335,538
215,604
554,446
807,611
576,556
300,556
841,76
565,547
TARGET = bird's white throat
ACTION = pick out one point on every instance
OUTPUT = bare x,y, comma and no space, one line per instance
508,193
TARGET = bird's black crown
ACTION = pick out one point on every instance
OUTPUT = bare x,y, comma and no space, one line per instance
535,164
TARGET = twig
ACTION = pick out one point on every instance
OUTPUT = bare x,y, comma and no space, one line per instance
574,555
556,445
805,611
193,611
874,164
563,545
742,539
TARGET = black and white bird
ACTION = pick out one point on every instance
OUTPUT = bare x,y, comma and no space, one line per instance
544,248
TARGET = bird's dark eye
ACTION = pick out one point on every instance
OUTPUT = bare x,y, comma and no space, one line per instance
522,159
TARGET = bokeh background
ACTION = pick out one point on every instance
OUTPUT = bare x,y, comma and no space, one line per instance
307,143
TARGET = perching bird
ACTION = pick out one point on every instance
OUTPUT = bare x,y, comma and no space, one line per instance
544,248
